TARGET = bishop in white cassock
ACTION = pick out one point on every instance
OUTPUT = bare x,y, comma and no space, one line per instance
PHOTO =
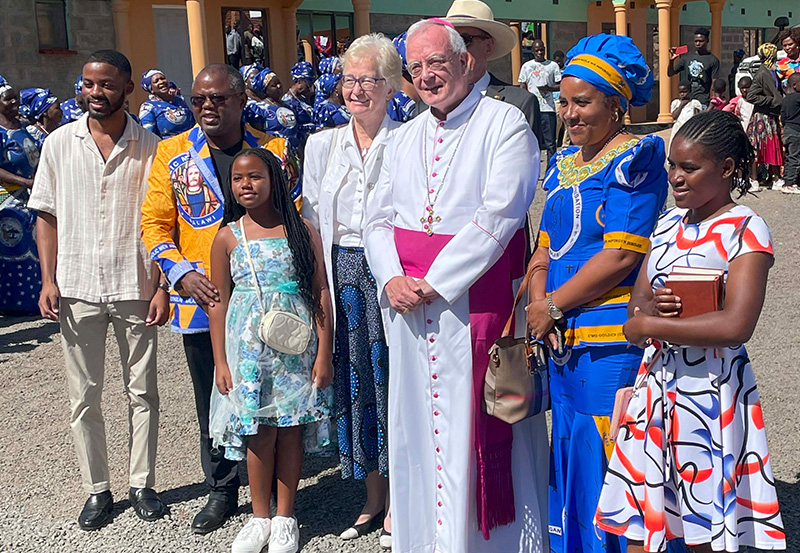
445,240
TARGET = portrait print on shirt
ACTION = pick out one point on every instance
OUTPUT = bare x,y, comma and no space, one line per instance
197,202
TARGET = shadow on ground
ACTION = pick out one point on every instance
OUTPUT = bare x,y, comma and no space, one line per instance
23,340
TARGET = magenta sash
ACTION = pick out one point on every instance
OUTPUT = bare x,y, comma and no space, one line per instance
491,299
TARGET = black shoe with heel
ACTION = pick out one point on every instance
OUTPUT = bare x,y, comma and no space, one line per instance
358,530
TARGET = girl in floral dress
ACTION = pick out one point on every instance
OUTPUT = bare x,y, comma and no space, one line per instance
691,458
266,399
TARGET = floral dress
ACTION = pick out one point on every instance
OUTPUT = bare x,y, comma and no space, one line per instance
691,458
269,387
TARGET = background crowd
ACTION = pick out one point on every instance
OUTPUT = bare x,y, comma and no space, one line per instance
244,200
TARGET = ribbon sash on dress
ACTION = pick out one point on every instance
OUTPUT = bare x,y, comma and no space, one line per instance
491,299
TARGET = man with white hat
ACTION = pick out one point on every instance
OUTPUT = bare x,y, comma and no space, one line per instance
487,40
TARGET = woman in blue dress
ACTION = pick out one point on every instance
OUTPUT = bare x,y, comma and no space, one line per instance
265,111
300,96
41,110
604,195
329,110
73,108
20,278
163,114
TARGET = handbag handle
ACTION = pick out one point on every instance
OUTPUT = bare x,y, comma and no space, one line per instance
523,288
252,266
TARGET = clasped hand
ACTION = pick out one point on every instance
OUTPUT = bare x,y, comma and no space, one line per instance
407,293
664,304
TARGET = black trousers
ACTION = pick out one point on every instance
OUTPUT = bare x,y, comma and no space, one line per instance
549,134
222,475
791,165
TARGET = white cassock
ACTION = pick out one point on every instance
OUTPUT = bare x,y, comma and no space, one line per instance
478,171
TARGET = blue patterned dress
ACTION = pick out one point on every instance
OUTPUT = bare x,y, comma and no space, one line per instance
20,277
269,387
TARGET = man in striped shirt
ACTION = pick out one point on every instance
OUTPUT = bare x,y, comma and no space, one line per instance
95,271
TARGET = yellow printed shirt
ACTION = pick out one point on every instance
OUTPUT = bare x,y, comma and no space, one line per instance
612,203
183,210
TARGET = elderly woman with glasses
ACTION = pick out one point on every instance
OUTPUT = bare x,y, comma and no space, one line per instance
342,167
163,113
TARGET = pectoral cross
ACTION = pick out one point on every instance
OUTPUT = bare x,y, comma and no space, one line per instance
429,220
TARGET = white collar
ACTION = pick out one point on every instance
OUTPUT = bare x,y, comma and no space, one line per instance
483,83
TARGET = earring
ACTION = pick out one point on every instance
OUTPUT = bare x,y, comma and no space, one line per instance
616,117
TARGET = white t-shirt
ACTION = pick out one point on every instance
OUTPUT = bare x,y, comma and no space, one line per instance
535,74
688,111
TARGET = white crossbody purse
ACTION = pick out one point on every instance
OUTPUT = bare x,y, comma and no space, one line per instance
282,331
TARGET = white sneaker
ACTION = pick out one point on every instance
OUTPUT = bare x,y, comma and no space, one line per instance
253,537
777,184
790,189
285,537
754,187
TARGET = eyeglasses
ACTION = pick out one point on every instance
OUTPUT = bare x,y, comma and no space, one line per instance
367,83
216,99
435,63
468,38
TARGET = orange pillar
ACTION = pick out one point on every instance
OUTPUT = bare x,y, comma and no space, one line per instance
664,27
122,26
516,53
621,17
675,38
197,34
361,16
290,35
716,27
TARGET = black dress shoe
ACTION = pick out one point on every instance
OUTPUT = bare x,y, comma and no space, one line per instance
146,503
96,511
213,515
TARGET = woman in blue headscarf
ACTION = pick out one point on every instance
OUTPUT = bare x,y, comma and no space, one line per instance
163,113
402,107
604,195
300,97
72,108
20,279
330,66
41,110
328,108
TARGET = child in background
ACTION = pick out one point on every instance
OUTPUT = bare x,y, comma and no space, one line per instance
691,458
684,107
718,97
743,109
790,117
265,399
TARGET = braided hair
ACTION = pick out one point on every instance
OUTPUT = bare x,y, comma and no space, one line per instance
721,134
296,230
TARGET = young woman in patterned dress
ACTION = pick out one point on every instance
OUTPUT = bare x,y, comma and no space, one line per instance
691,458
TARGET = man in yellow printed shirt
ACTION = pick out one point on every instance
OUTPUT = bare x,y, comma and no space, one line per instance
188,199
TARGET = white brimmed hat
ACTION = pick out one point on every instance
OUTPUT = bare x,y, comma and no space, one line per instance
474,13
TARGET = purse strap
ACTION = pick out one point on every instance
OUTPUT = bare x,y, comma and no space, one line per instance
523,288
252,266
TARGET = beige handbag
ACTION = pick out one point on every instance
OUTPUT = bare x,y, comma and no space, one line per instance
517,383
282,331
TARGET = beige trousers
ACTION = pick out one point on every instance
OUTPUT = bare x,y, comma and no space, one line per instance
83,337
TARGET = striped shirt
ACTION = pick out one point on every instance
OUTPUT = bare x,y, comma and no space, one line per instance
101,257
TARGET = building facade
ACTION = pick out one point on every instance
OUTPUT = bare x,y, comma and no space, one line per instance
46,41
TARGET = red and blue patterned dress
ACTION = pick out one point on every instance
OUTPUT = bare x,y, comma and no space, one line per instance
691,459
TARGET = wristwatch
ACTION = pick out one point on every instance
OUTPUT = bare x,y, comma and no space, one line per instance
555,312
164,286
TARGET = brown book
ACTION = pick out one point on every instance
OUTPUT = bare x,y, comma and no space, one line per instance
700,290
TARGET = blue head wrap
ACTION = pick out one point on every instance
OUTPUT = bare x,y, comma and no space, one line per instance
79,85
400,45
34,102
4,85
325,85
147,79
329,65
303,71
613,65
248,71
261,81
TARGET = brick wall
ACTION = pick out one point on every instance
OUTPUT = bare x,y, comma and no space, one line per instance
565,34
91,27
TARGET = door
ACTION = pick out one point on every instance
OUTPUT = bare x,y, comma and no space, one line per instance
172,45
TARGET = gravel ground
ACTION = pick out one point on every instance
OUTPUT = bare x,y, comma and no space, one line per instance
40,494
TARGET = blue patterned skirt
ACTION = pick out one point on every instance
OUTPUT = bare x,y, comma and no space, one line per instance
21,280
361,367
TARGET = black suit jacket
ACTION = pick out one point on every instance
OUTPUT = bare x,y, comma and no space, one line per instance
527,103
